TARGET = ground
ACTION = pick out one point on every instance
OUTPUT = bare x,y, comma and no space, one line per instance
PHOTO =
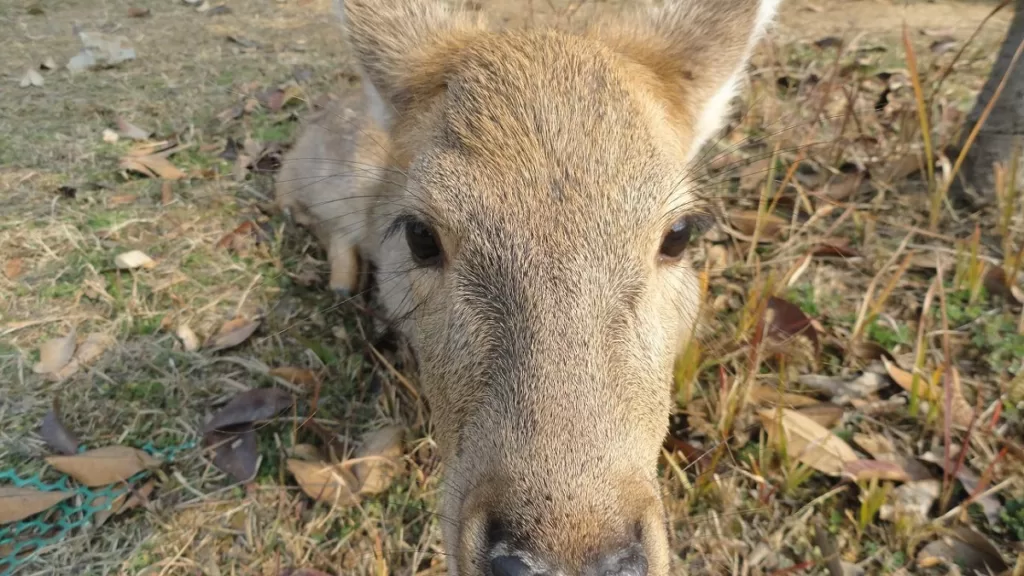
822,163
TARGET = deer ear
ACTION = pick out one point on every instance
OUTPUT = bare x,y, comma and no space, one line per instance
403,49
696,50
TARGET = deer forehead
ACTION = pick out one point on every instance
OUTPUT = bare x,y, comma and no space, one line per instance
549,129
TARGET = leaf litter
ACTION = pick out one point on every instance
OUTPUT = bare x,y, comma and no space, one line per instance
104,466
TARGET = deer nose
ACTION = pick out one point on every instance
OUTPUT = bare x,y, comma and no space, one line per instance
630,561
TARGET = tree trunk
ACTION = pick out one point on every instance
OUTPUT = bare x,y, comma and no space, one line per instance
1004,128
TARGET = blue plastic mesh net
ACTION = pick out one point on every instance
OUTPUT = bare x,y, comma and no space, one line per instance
21,541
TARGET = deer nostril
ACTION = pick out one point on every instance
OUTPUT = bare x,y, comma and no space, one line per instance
509,566
630,561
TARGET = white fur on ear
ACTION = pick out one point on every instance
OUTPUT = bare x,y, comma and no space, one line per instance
713,115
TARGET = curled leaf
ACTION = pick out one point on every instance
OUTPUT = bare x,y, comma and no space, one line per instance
55,354
232,333
104,466
19,503
247,407
188,338
328,483
235,453
55,434
378,459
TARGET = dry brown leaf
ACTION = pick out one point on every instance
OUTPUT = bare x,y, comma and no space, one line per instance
122,503
133,259
824,413
324,482
13,268
153,166
104,466
861,470
745,221
232,333
56,354
188,338
93,347
122,199
306,452
808,441
754,173
55,433
378,459
300,376
765,394
20,503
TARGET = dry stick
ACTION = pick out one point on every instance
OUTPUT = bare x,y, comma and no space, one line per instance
981,120
922,116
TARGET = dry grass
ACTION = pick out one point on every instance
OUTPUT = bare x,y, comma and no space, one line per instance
839,175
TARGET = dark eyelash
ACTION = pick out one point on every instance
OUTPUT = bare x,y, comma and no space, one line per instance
397,225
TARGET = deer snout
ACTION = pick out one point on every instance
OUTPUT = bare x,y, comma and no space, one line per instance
628,561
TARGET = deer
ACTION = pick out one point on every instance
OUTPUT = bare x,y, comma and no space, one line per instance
526,197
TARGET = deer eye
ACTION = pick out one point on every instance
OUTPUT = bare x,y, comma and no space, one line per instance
679,236
423,244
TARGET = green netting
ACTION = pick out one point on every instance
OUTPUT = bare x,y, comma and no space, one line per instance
21,541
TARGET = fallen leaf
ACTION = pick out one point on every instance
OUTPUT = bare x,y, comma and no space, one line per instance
997,284
911,502
93,347
188,338
246,228
824,413
745,221
137,12
132,260
765,394
235,453
379,460
48,64
131,131
248,407
110,137
808,441
306,452
20,503
943,45
152,166
324,482
786,321
300,376
965,548
232,333
55,434
104,466
881,448
31,78
124,502
55,354
862,470
834,250
842,186
13,268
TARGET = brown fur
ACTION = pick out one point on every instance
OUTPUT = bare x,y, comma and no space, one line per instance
550,165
